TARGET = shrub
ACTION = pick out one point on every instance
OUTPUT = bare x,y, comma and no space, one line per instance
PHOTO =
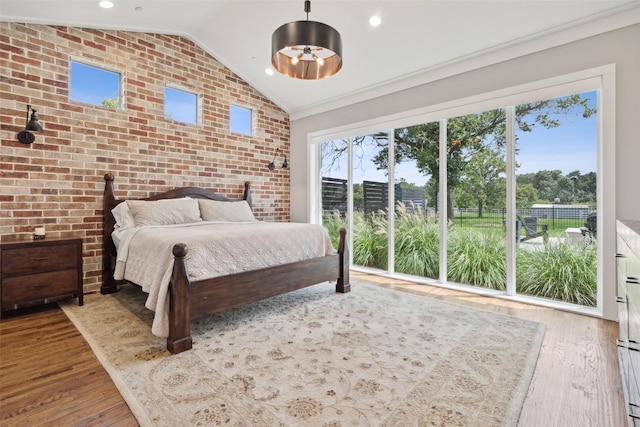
477,258
416,243
333,223
370,241
563,271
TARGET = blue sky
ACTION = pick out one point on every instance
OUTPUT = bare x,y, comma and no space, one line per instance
571,146
568,147
92,85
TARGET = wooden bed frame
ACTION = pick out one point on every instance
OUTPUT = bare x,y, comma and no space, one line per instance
191,300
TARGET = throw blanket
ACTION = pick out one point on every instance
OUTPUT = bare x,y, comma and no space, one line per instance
214,249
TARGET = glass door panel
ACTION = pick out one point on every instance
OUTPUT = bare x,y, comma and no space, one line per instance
370,200
416,230
476,199
334,187
556,161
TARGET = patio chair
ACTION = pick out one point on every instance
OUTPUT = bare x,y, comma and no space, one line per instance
590,227
532,229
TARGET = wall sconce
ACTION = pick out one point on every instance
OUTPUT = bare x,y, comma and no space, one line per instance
272,165
25,136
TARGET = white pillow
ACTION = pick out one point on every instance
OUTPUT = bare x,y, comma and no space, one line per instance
123,216
164,212
215,210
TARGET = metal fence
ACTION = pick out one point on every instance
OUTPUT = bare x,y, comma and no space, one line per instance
556,219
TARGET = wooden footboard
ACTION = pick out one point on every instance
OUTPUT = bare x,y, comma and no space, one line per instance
190,301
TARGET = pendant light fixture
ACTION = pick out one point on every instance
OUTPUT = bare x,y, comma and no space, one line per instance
306,50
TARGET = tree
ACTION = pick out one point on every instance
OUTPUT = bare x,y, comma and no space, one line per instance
481,182
112,103
469,136
526,195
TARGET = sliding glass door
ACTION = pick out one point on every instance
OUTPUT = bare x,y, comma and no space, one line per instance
502,199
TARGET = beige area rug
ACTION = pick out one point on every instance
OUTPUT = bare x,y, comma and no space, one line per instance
372,357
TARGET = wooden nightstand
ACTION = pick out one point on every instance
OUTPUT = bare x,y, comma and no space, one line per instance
35,271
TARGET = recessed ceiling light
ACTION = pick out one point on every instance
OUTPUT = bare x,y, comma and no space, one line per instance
105,4
375,21
268,71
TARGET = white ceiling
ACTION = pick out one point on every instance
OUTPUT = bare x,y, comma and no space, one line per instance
418,41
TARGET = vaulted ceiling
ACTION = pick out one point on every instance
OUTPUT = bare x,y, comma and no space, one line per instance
417,41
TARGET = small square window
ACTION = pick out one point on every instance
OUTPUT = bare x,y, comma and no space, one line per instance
180,105
95,86
240,120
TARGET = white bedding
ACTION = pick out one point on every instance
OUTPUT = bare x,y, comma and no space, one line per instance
214,249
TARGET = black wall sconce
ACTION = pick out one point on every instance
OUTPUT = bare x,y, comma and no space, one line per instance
272,165
25,136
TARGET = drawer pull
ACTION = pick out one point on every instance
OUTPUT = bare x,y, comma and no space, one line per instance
620,299
42,285
42,258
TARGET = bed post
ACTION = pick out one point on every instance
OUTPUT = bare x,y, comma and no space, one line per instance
247,192
108,249
179,339
343,284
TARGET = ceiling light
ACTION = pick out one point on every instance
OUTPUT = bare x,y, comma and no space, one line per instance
105,4
268,71
306,50
375,21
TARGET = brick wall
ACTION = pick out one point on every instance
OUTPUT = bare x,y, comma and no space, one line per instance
58,180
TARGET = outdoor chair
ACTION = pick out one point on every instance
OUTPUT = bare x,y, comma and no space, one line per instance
532,229
590,227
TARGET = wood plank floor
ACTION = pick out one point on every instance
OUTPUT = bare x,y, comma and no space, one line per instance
49,376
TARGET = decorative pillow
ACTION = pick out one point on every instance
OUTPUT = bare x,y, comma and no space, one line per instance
123,216
214,210
164,212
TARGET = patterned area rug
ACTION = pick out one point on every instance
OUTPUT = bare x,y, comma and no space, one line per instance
372,357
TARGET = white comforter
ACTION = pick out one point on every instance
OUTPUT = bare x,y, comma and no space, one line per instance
214,249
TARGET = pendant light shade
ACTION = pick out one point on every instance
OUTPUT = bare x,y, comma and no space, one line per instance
306,50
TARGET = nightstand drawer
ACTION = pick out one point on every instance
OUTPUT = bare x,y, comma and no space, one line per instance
30,260
16,290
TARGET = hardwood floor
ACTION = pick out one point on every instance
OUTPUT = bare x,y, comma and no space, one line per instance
49,376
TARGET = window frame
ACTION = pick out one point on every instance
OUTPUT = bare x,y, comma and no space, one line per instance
100,67
600,79
197,106
251,119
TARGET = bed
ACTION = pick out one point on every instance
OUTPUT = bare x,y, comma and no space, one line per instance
186,298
